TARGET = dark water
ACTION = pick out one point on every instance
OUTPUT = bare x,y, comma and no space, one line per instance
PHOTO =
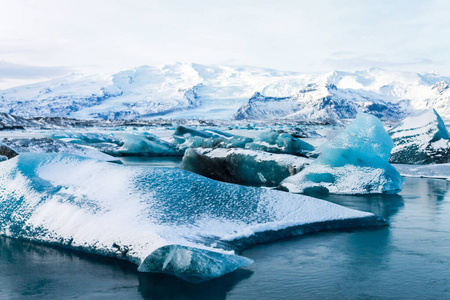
408,260
164,161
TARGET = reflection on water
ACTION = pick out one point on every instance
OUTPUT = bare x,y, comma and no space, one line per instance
162,286
408,259
164,161
381,205
28,269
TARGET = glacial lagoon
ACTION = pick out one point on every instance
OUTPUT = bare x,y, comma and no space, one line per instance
408,259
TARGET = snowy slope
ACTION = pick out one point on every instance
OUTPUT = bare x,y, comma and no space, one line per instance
199,91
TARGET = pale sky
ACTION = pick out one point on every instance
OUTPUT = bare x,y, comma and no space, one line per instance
49,38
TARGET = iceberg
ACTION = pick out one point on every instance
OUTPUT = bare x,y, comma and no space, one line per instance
162,219
187,137
354,162
275,142
421,140
144,145
439,171
122,144
46,145
243,166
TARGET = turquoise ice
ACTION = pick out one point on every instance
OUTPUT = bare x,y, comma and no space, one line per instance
354,162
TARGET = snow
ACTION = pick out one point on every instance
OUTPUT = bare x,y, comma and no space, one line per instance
185,90
46,145
187,137
354,162
140,213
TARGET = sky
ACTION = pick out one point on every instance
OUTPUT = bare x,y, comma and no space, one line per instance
41,39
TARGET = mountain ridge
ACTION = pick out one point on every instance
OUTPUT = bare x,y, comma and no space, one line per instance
185,90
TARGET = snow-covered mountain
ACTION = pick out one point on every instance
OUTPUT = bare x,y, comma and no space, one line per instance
210,92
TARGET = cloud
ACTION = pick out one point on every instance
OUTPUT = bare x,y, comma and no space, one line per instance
352,60
10,70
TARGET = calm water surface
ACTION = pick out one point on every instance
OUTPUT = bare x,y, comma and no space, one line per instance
408,260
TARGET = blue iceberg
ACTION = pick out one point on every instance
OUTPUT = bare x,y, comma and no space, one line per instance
354,162
122,144
187,137
162,219
275,142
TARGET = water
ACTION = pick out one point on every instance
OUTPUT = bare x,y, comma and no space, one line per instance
409,259
150,161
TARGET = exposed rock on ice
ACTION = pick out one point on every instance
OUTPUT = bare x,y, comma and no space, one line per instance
354,162
7,151
275,142
242,166
141,214
421,140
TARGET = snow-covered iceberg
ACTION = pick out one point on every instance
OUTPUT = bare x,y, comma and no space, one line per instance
421,140
243,166
275,142
122,144
46,145
354,162
187,137
162,219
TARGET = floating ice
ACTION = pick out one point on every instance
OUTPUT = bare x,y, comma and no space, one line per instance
122,144
46,145
280,143
243,166
421,140
189,262
354,162
164,220
144,145
187,137
441,171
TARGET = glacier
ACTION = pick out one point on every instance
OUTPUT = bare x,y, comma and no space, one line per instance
194,91
243,166
355,162
163,220
421,140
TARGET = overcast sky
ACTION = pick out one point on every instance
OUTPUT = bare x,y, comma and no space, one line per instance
48,38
